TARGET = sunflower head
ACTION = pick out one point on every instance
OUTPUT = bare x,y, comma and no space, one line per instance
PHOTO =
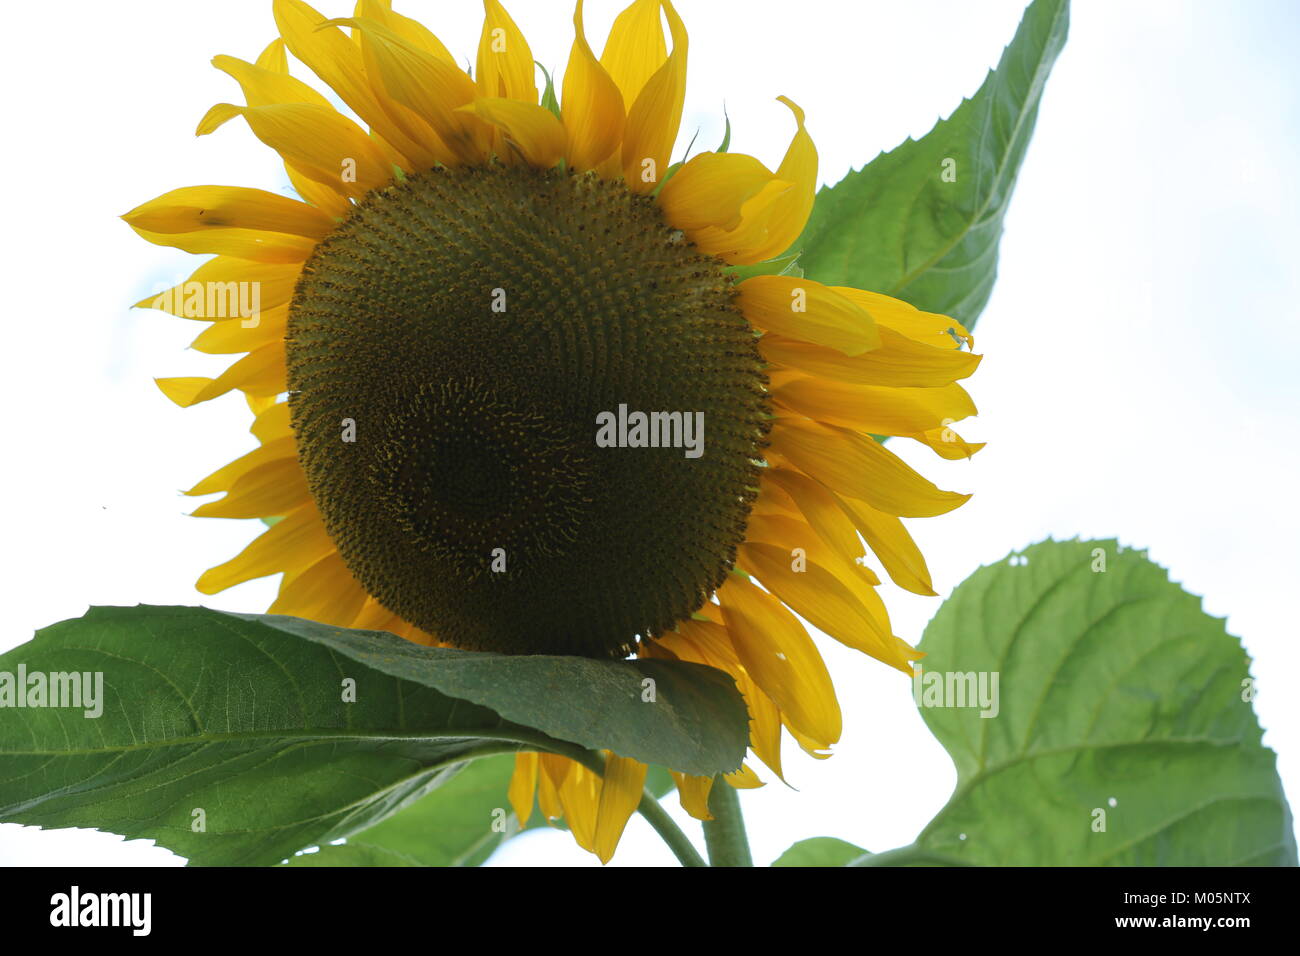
511,393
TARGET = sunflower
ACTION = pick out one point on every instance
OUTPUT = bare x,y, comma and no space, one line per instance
475,281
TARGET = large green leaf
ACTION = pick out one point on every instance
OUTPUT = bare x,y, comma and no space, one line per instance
459,824
243,718
1120,704
821,851
900,227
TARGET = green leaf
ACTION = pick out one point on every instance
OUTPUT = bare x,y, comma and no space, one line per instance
1119,703
787,264
242,718
548,95
459,824
821,851
595,704
899,227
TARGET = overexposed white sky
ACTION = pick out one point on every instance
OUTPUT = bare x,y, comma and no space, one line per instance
1139,378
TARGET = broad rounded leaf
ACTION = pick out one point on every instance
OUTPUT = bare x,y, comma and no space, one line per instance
821,851
1121,731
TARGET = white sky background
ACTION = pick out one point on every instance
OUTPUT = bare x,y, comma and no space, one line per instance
1139,378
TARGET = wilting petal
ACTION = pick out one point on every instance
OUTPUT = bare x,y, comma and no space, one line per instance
849,464
778,653
620,794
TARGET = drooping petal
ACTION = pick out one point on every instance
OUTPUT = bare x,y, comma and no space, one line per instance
693,793
778,653
523,786
295,542
325,592
859,467
259,373
272,488
789,211
891,543
620,794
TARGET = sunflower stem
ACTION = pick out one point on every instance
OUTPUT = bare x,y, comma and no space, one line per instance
724,835
663,824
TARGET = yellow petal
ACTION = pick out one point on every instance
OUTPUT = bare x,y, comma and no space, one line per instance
777,652
273,57
272,488
891,543
744,779
620,794
710,189
523,786
295,542
849,464
252,244
505,63
531,130
807,310
693,792
635,49
223,338
219,288
580,797
654,117
325,592
195,208
789,211
930,328
771,219
593,107
333,57
323,145
224,478
428,86
264,85
412,31
946,443
259,373
900,361
875,409
820,508
822,599
272,424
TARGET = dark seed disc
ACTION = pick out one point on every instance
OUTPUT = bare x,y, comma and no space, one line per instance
474,323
